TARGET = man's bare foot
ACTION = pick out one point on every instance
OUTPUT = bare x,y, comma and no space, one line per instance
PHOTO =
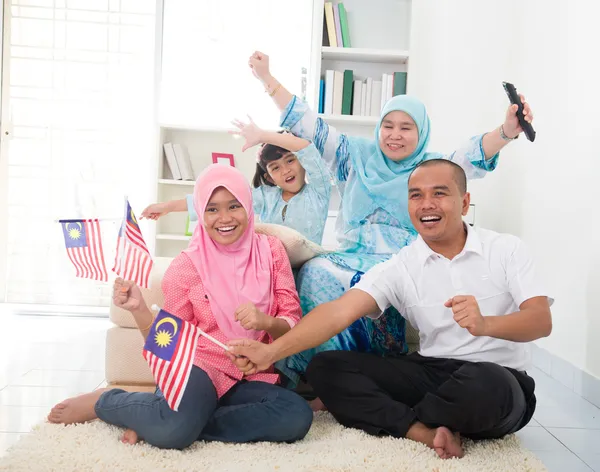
447,444
129,437
317,405
443,441
77,409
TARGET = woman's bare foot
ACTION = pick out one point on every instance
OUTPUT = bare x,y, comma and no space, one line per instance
443,441
317,405
129,437
77,409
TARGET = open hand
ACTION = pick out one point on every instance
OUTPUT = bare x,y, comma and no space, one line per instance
467,314
249,131
511,125
251,317
259,354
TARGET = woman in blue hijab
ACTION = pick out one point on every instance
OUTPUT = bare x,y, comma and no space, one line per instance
373,222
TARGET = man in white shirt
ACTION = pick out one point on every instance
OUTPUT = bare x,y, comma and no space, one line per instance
476,302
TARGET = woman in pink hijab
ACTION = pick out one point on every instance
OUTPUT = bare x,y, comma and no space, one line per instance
231,283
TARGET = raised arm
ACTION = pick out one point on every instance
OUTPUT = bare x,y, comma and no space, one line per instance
480,155
510,130
302,121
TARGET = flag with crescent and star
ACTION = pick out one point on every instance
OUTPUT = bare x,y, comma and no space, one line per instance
84,248
169,350
133,260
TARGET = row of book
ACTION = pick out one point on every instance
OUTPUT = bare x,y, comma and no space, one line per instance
341,94
335,26
179,161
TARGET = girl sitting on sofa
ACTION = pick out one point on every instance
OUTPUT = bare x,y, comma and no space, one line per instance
231,283
281,194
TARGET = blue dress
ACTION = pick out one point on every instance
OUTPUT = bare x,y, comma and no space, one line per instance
362,244
306,212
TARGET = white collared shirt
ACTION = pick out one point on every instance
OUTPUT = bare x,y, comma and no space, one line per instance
495,268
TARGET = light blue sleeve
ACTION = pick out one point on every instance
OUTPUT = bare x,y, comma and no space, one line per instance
472,159
258,201
190,207
318,175
331,144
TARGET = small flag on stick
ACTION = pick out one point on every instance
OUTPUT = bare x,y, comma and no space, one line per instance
133,260
84,248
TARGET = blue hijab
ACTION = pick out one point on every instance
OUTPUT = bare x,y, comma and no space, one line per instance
381,182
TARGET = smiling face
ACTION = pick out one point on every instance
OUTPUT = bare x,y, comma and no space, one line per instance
398,135
436,203
225,219
287,173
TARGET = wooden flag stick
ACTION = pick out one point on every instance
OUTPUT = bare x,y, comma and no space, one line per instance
207,336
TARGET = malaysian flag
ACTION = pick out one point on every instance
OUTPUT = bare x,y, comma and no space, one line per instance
133,260
169,351
84,248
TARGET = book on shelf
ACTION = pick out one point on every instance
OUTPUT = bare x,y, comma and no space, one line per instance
335,26
172,161
347,92
330,24
184,162
344,25
341,93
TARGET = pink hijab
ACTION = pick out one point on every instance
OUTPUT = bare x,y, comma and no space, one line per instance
237,273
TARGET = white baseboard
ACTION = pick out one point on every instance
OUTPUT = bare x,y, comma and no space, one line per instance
580,382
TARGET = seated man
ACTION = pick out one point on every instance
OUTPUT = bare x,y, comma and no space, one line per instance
475,300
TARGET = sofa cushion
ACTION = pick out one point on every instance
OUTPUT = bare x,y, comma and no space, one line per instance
124,361
151,295
299,249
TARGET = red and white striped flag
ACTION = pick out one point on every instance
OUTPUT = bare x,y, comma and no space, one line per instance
133,260
169,350
84,248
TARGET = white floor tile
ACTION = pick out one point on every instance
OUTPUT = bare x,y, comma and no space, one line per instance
578,414
561,461
591,458
538,439
80,379
578,440
7,440
20,419
35,396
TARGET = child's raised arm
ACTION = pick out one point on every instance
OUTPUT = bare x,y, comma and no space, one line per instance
156,210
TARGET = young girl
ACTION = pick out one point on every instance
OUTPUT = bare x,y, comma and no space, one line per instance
230,282
281,194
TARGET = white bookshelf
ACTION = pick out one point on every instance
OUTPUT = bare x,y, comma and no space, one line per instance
170,238
379,32
385,56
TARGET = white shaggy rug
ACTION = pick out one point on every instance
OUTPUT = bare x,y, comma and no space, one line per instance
328,447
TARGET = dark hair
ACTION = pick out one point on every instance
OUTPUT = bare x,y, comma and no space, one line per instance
459,174
268,153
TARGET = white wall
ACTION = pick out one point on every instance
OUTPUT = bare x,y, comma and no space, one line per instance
545,191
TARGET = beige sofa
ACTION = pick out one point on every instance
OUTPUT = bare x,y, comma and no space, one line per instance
125,366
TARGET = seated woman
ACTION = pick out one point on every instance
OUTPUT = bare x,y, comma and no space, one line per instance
231,283
373,221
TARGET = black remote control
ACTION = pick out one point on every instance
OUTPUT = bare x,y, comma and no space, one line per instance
513,96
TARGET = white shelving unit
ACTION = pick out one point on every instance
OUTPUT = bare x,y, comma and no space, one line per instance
170,237
379,33
385,56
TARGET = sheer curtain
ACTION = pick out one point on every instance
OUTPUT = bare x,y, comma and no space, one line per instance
206,81
80,99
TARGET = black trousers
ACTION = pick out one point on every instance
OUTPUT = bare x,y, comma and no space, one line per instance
385,396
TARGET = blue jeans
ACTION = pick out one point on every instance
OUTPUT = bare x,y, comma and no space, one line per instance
249,411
